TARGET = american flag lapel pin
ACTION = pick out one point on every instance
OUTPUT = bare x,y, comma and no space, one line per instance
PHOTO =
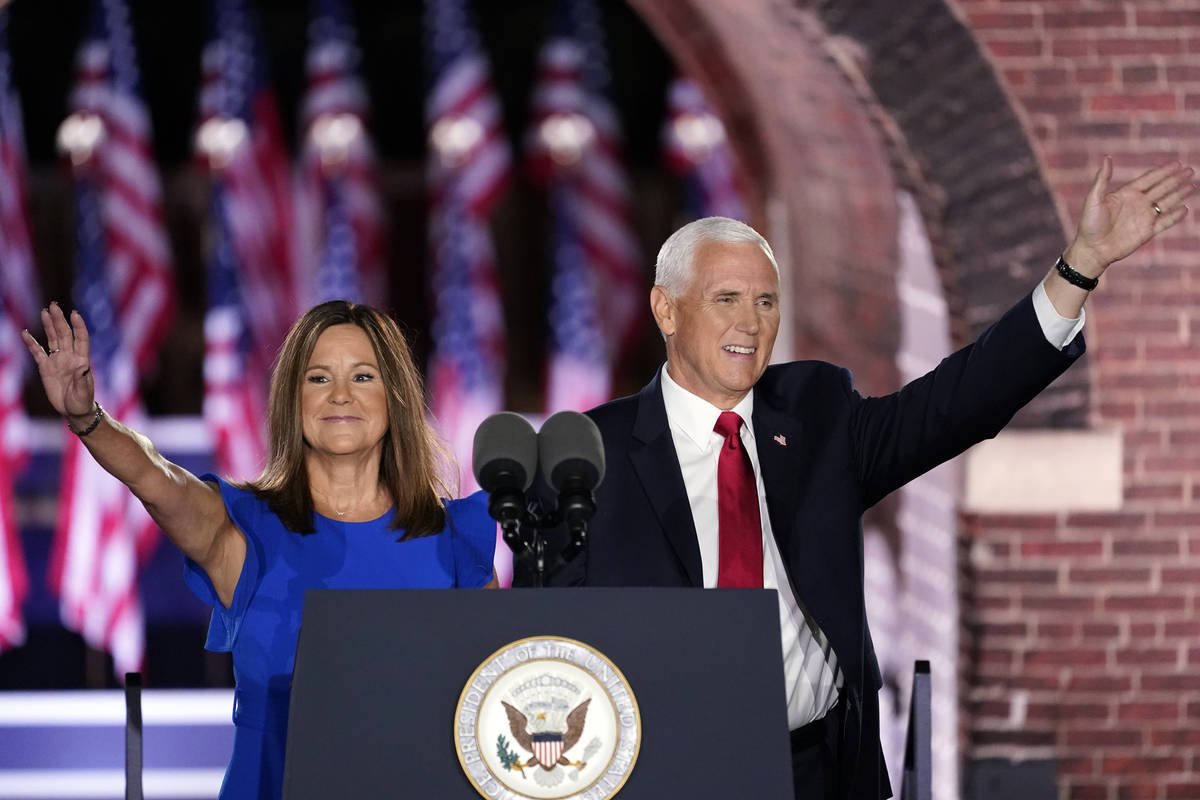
781,439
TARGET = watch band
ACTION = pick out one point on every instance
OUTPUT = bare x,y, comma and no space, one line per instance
1073,277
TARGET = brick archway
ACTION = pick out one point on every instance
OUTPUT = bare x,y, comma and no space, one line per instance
824,189
833,104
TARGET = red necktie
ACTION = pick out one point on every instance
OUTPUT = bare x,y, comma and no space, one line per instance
739,528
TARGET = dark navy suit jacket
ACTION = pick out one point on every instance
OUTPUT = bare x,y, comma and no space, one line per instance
842,452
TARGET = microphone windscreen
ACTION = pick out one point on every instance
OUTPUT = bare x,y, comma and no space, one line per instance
505,450
570,446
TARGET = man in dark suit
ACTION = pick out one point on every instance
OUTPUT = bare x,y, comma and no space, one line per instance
723,471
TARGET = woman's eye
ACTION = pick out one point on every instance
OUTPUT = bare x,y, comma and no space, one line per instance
363,377
317,379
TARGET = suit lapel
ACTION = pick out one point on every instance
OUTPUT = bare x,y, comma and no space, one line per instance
778,441
657,467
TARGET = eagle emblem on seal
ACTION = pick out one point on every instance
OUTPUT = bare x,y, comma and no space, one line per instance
546,745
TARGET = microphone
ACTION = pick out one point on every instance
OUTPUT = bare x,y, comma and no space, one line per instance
504,458
571,455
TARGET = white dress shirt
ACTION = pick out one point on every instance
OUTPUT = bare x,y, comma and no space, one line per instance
810,667
810,672
1058,330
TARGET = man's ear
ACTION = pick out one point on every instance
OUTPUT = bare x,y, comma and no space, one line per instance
663,308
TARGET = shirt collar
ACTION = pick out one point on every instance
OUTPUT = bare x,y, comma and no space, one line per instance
695,416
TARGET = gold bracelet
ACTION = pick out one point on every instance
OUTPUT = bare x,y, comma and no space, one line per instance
95,421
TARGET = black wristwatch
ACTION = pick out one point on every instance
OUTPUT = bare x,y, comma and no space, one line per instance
1073,277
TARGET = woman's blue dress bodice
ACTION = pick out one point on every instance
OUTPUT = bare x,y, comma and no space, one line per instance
262,624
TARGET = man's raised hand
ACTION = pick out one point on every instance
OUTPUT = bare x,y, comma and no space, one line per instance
1116,223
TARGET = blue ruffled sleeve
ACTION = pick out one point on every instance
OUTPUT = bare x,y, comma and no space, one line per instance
245,510
473,532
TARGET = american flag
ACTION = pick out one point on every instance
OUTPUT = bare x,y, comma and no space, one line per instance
14,580
467,365
696,148
138,268
234,403
103,533
471,156
241,139
579,373
574,144
18,282
339,211
18,305
469,167
337,276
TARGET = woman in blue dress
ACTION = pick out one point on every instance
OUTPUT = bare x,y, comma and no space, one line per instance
350,498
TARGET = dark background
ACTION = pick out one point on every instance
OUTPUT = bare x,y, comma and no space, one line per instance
169,37
44,35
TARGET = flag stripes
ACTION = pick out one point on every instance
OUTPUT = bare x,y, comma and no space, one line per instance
468,168
18,304
338,201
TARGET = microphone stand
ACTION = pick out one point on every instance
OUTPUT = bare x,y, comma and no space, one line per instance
538,520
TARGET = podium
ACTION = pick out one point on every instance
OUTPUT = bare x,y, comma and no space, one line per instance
380,674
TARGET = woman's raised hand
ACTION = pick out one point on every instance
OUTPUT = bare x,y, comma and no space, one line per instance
64,364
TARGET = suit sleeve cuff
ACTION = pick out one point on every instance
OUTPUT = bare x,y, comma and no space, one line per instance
1058,330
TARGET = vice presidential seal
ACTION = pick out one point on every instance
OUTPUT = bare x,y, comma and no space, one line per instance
547,718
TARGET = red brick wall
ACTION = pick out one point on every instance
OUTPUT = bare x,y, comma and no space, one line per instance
1094,616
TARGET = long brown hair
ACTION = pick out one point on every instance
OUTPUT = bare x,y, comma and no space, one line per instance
413,459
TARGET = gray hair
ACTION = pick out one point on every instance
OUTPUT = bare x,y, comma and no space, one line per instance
674,268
